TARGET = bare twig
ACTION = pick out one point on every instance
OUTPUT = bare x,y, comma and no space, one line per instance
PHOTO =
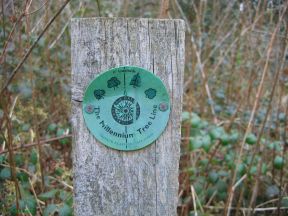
239,182
62,182
65,27
285,146
268,202
34,194
257,99
41,142
194,200
11,152
247,209
10,37
164,8
27,54
200,63
38,9
276,79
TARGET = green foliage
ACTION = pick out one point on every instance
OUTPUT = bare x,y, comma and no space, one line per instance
213,176
2,158
52,127
216,132
5,173
48,195
26,206
251,139
195,121
232,57
59,171
33,157
185,116
50,210
19,160
22,177
65,210
272,191
212,172
62,132
278,162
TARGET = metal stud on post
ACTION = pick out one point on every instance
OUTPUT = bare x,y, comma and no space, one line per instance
127,79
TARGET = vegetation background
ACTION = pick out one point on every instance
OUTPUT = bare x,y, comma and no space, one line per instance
234,134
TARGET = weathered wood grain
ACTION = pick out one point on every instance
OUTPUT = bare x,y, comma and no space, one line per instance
110,182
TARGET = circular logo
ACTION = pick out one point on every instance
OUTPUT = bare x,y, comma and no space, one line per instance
126,108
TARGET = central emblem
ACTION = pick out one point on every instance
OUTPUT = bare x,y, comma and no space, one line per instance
125,110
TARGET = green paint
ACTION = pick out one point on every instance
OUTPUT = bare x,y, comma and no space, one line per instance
131,108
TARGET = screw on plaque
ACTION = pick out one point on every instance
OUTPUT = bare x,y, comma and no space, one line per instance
163,106
89,108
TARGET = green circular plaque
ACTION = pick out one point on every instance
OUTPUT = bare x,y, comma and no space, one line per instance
126,108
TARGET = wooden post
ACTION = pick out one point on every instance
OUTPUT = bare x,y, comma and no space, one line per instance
110,182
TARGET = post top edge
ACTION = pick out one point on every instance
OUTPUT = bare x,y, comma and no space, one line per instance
77,19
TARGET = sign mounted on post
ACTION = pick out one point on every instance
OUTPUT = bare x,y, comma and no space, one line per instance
126,108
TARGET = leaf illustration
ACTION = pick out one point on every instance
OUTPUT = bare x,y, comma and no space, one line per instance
136,80
150,93
113,83
99,94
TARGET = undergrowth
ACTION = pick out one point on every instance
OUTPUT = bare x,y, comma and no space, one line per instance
234,124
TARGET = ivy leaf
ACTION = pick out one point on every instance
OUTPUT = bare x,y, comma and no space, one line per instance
23,177
216,132
195,142
50,210
213,176
33,157
48,195
64,195
59,171
225,139
221,186
65,210
272,191
284,202
5,173
26,207
62,132
2,158
25,127
206,143
185,116
195,120
251,139
278,162
19,160
52,127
